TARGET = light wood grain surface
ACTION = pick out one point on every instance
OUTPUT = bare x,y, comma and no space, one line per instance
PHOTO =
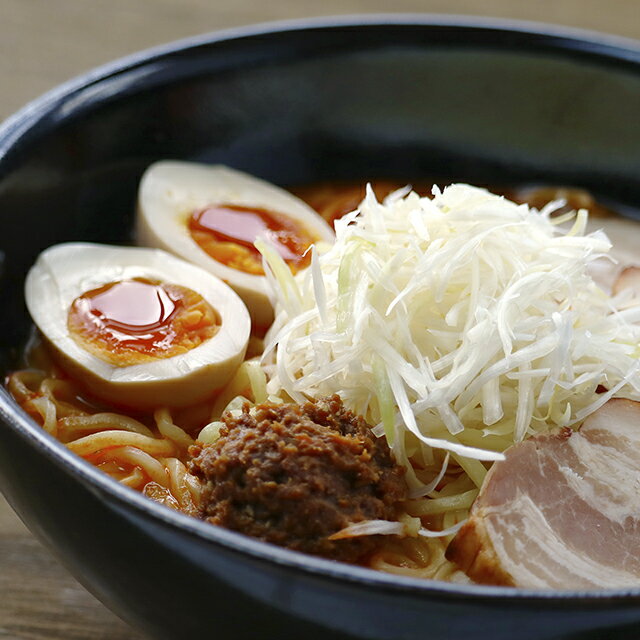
44,42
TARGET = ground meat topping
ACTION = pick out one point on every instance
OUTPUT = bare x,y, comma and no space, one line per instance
294,475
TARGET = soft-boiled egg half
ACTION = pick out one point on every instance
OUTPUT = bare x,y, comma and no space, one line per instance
138,327
212,215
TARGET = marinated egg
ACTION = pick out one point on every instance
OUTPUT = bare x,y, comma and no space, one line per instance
212,215
138,327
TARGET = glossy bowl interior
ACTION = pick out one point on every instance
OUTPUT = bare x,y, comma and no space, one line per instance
404,97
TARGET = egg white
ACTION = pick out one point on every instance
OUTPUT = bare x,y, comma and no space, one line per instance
170,191
64,272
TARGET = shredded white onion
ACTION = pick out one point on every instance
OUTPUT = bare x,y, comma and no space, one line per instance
370,528
389,528
427,533
438,318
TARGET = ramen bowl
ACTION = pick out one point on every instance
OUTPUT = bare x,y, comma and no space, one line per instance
394,97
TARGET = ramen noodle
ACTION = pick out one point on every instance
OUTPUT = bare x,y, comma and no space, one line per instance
148,451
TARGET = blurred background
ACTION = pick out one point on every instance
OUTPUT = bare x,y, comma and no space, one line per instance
45,42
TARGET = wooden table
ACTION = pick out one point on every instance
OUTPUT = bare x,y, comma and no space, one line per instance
44,42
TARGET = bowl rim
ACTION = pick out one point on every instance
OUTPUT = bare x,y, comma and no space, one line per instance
567,40
616,48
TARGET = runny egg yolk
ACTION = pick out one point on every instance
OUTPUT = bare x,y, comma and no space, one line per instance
133,321
228,232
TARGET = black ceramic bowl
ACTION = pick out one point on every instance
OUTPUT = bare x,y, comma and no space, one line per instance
403,97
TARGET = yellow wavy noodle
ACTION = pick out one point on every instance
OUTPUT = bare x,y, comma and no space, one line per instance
184,487
73,427
47,411
95,443
149,454
133,479
161,494
170,431
417,558
139,460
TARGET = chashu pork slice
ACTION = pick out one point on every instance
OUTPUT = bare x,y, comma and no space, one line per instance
562,511
628,280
